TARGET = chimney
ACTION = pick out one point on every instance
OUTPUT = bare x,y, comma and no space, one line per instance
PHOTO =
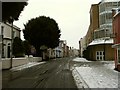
114,11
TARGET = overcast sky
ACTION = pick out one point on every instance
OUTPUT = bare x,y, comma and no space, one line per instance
72,16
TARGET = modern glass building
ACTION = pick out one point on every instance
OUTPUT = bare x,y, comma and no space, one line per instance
101,46
105,18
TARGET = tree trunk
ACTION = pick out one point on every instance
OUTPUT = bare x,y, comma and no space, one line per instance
38,51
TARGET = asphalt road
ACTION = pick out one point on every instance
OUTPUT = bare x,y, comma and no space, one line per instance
52,74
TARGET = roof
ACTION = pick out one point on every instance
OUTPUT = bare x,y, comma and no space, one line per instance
14,26
117,11
101,41
116,45
110,0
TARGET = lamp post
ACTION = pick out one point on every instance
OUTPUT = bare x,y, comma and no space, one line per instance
11,42
105,39
1,41
104,48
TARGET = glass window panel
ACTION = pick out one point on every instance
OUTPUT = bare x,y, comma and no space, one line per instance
97,58
97,53
101,58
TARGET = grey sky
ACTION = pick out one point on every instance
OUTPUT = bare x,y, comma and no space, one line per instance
72,16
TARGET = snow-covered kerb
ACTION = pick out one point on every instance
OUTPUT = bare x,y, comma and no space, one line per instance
95,74
6,62
28,65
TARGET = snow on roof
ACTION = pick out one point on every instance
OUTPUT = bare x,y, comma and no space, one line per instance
117,11
101,41
116,45
110,0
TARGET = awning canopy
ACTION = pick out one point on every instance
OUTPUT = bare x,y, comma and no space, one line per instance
116,46
101,41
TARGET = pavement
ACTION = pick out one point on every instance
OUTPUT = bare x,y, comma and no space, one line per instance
95,74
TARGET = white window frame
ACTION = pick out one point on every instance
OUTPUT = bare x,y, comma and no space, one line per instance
100,56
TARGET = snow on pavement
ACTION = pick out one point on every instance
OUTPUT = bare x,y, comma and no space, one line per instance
30,64
97,75
80,60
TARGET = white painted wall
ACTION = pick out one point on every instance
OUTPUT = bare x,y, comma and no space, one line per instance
6,32
6,62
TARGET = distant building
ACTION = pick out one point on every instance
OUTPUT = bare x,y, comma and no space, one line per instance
65,49
116,31
82,46
59,51
73,52
6,37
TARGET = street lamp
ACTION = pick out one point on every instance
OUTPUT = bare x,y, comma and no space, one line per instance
11,41
105,39
104,48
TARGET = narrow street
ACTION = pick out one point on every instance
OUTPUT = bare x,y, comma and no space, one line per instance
69,73
52,74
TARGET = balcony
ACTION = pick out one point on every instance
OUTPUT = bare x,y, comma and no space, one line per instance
102,33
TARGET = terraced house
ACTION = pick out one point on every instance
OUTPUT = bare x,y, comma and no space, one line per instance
6,37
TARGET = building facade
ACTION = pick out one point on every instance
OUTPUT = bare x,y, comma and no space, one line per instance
6,37
94,24
59,50
99,46
116,31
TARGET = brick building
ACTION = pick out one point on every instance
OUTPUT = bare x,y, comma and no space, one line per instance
98,38
116,31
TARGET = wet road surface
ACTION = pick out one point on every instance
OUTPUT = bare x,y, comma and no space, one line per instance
52,74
